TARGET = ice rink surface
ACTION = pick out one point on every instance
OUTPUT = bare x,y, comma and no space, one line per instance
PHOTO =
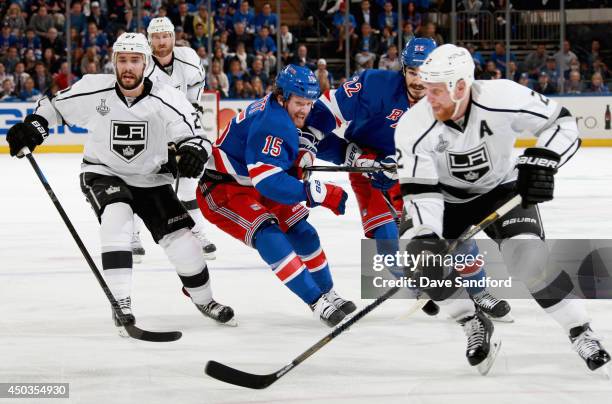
55,322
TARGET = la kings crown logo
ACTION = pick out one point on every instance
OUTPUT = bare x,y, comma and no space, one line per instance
128,139
470,166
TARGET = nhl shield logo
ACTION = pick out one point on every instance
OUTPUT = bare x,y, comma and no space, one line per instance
128,139
470,166
103,109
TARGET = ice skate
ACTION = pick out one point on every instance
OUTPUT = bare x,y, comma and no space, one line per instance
481,348
346,306
587,344
126,307
220,313
496,309
207,246
327,312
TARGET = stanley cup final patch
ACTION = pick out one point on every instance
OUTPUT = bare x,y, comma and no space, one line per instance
469,166
128,139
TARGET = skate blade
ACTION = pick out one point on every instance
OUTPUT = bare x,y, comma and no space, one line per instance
485,366
605,371
210,256
230,323
418,305
122,332
505,319
137,258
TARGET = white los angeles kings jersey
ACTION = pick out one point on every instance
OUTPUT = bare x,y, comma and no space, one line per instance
127,140
187,74
446,161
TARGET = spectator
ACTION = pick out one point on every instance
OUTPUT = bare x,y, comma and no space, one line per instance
240,91
77,18
91,68
4,75
97,17
513,73
7,38
59,18
499,57
413,17
11,59
564,57
42,78
476,56
199,37
525,81
91,56
131,23
601,68
64,78
108,67
219,57
407,32
574,67
31,41
41,22
266,47
244,58
202,54
29,92
597,85
595,52
245,16
536,60
240,35
390,60
544,85
366,15
96,39
222,42
218,80
54,42
429,31
388,18
183,19
257,70
367,48
14,19
20,76
489,71
551,69
29,59
338,21
301,58
388,38
257,87
203,18
267,18
322,74
574,84
51,60
287,43
8,93
473,8
223,22
235,72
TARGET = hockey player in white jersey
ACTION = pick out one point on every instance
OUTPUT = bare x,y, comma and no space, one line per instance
180,68
128,166
455,166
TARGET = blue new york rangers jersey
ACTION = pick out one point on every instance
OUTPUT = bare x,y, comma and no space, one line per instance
371,104
258,148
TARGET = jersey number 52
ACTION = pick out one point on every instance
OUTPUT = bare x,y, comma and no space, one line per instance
272,146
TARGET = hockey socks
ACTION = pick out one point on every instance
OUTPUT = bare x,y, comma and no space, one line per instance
276,250
116,226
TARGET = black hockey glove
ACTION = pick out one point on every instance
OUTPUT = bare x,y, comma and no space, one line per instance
192,157
536,170
32,132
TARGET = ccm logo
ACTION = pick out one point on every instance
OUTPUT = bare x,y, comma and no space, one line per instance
537,161
519,220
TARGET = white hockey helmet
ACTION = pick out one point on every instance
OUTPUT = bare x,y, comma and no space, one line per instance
134,43
160,24
448,64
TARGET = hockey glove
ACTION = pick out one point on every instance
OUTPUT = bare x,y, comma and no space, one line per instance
355,156
385,178
306,155
330,196
536,169
32,132
192,154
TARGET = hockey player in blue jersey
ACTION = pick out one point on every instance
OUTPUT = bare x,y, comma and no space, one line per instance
249,192
370,106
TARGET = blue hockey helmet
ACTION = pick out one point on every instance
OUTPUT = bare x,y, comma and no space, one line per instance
299,81
416,52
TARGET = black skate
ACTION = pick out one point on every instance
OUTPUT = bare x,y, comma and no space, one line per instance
126,307
327,312
218,312
346,306
496,309
588,347
481,350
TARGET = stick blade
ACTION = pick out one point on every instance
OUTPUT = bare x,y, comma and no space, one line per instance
237,377
152,336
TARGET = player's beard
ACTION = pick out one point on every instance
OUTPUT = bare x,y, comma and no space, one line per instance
416,92
444,113
137,80
162,52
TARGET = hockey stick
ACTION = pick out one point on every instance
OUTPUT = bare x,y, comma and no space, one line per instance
237,377
345,169
131,329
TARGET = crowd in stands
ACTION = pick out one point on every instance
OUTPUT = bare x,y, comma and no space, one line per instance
243,63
